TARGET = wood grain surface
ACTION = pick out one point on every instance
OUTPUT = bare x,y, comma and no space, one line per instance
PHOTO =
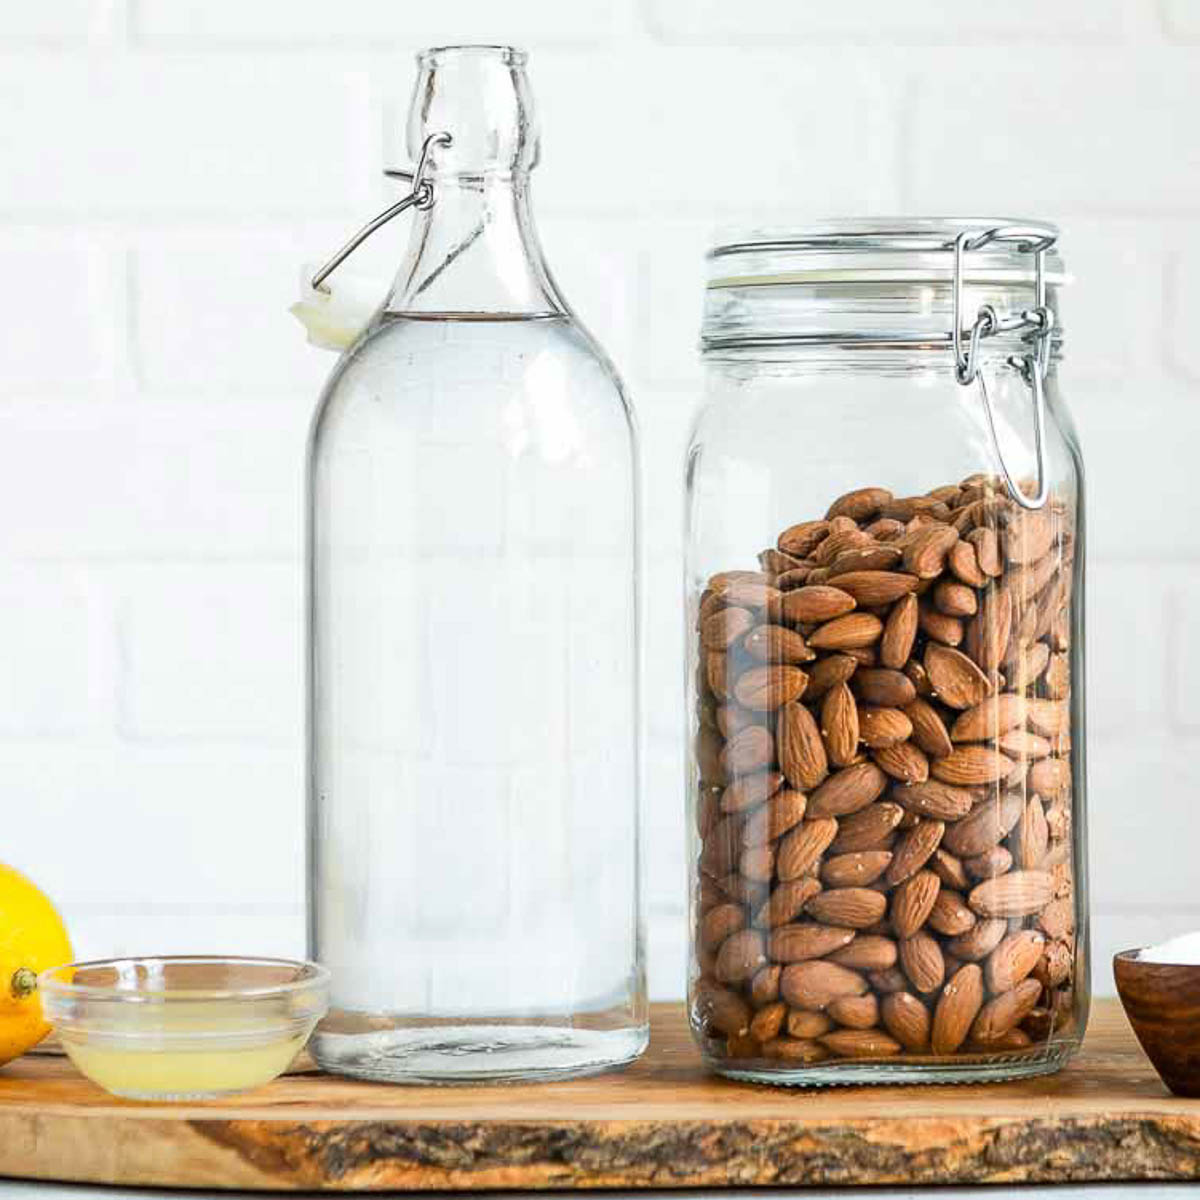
662,1123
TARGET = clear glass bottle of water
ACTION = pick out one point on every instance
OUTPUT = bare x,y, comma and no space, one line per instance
473,576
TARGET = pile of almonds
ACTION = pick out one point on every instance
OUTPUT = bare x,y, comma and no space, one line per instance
883,784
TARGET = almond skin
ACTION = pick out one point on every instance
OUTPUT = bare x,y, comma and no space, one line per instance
860,1043
949,869
749,791
873,557
802,1024
764,987
853,908
850,632
750,749
986,826
979,941
855,1012
989,631
939,627
870,829
827,673
719,1010
1013,959
805,940
1006,1011
941,801
1051,777
794,1050
801,751
801,540
929,730
914,849
883,686
903,761
719,923
925,554
907,1020
987,551
766,688
748,590
990,718
1017,894
813,985
768,1021
950,915
740,955
957,681
993,861
800,850
722,628
860,504
839,725
1032,835
868,952
777,644
899,633
957,1008
783,811
848,791
964,564
814,603
912,903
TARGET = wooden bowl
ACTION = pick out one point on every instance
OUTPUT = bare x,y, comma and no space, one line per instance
1162,1002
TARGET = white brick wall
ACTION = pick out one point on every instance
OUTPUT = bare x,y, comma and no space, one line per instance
169,165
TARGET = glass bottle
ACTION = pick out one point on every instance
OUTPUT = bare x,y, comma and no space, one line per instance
473,605
885,585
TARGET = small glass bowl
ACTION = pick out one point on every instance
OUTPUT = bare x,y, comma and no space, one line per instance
183,1028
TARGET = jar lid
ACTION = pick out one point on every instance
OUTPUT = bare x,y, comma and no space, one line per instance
884,250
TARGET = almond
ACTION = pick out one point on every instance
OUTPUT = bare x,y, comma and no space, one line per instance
855,1012
1051,777
764,987
768,1021
986,826
1013,959
794,1050
851,907
949,869
722,628
1028,536
855,870
979,941
1006,1011
925,554
956,680
1021,744
914,850
1058,919
868,952
837,543
802,1024
787,900
813,984
781,812
740,955
990,718
719,922
848,791
719,1010
922,961
939,627
1057,678
800,850
987,551
805,940
775,562
989,863
708,746
801,752
941,801
716,674
929,731
801,540
882,726
892,979
990,629
814,603
846,633
860,504
964,564
764,689
906,1019
903,761
870,829
1050,718
912,902
777,644
750,749
1026,667
899,633
957,1007
839,725
883,686
1054,967
757,863
733,718
954,599
950,915
1017,894
748,590
749,791
722,845
1032,835
971,765
871,557
860,1043
872,588
828,672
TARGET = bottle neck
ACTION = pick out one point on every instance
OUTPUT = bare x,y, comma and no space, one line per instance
475,253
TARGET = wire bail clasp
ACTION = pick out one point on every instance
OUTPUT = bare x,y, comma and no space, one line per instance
421,198
1039,324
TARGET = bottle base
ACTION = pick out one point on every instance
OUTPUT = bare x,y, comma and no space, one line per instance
996,1068
450,1054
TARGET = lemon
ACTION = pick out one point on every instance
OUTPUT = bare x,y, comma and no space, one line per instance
32,938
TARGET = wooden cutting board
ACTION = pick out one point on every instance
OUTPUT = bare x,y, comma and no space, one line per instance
664,1122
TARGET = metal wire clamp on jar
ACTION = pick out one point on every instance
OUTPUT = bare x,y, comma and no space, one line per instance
885,657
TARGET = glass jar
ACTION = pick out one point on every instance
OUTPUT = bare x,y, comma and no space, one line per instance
885,659
473,599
